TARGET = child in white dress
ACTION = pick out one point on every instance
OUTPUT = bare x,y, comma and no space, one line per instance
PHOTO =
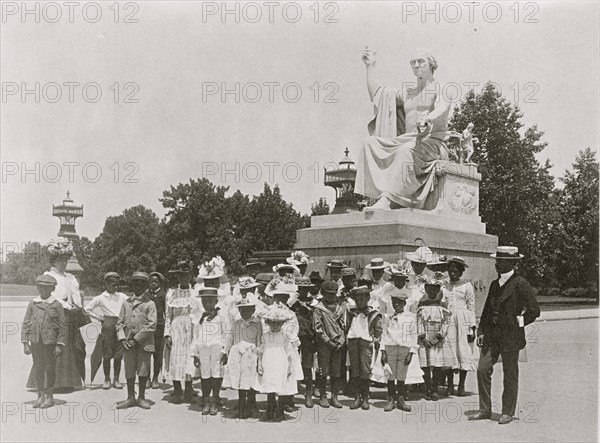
242,346
276,374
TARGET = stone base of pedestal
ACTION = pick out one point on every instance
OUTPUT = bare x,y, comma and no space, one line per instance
359,236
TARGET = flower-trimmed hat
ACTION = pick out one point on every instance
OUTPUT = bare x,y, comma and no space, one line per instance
303,282
422,255
244,302
182,266
215,268
377,263
507,253
276,314
298,258
395,271
459,261
438,260
60,247
437,279
280,266
281,285
45,280
247,283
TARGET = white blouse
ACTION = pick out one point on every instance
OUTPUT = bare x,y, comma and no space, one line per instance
67,288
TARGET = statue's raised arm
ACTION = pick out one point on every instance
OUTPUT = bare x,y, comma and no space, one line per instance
369,60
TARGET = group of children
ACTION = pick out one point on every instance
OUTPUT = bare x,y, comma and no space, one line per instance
273,330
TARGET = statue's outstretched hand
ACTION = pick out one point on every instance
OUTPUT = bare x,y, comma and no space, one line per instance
368,57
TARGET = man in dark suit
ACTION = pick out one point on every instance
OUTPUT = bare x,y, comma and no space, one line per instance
510,306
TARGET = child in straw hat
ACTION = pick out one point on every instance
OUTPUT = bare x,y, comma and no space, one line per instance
241,347
275,361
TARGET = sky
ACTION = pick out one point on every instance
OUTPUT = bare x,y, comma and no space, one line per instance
126,101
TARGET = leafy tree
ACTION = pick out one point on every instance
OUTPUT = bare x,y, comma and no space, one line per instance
22,267
576,255
129,242
320,208
516,191
197,215
274,221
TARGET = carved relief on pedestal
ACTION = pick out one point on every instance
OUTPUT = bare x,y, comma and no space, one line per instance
463,200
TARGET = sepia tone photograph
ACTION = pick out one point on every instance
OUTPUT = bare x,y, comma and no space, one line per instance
299,221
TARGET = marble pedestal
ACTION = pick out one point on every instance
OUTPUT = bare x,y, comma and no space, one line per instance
451,226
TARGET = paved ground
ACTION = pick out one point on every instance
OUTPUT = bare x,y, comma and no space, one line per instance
558,401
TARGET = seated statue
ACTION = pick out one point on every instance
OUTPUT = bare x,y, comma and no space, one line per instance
396,163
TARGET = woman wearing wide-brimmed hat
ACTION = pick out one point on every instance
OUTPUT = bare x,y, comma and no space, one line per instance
182,306
460,298
70,366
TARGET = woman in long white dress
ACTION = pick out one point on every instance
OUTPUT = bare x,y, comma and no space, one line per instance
70,366
396,163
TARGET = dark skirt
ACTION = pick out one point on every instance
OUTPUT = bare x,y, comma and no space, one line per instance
107,346
70,366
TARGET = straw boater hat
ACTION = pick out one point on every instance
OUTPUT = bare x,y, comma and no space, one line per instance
208,292
254,263
280,266
422,255
247,283
355,292
458,260
183,266
507,253
377,263
140,276
348,272
336,264
157,275
303,282
109,275
215,268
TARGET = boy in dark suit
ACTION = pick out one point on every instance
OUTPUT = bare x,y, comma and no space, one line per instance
43,335
510,306
135,331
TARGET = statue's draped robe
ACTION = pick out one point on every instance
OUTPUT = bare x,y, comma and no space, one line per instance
394,163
